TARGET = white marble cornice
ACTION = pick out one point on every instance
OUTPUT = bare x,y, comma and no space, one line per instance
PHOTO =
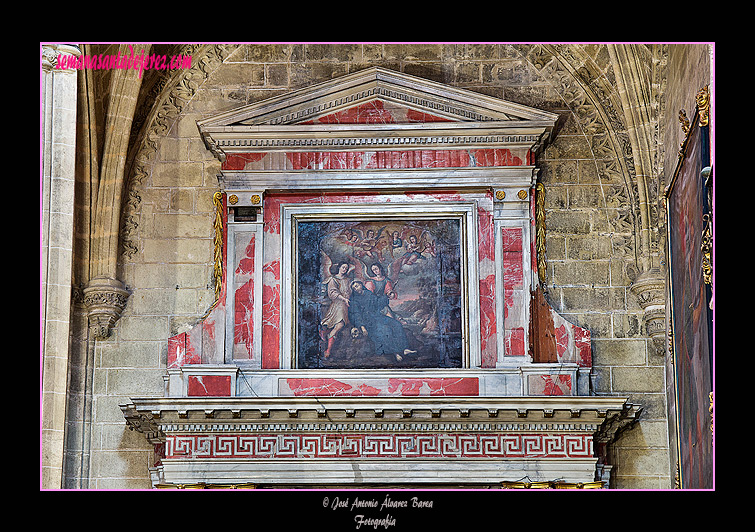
156,411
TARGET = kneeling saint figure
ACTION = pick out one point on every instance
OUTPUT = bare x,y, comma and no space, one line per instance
370,314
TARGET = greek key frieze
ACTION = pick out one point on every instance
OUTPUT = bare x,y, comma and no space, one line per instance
386,445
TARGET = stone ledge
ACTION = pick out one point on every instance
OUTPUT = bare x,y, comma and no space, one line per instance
149,414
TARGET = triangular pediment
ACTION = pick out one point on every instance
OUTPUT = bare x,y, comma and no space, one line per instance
378,96
377,109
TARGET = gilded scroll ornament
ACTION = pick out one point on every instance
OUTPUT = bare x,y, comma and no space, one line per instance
217,200
703,105
552,484
707,248
540,230
684,121
710,409
207,486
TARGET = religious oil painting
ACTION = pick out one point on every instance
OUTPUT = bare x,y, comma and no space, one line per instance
690,311
379,293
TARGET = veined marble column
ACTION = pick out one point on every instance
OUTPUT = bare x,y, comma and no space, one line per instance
58,87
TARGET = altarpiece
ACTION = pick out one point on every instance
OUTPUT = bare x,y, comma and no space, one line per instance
378,316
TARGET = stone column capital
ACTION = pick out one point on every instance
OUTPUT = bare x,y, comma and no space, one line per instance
50,54
104,299
650,290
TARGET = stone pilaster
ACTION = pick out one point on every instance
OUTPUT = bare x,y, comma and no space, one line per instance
58,168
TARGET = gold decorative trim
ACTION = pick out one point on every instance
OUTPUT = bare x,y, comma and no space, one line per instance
710,409
233,199
703,105
205,486
500,194
552,484
707,247
522,194
540,230
217,199
684,121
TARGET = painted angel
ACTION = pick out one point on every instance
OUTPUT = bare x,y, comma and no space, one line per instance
336,285
348,238
396,242
416,247
370,245
377,280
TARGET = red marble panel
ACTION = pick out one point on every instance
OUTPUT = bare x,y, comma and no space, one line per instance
244,300
550,385
488,322
376,112
237,161
511,239
430,386
582,345
330,388
181,351
562,341
514,342
436,386
271,318
495,157
382,159
512,258
372,112
513,274
209,385
486,241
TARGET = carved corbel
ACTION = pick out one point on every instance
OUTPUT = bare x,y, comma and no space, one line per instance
616,422
104,300
650,290
143,423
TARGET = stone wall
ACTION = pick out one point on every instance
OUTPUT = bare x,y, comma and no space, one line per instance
589,237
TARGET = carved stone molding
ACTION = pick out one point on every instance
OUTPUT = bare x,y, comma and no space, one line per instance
104,300
174,95
650,290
